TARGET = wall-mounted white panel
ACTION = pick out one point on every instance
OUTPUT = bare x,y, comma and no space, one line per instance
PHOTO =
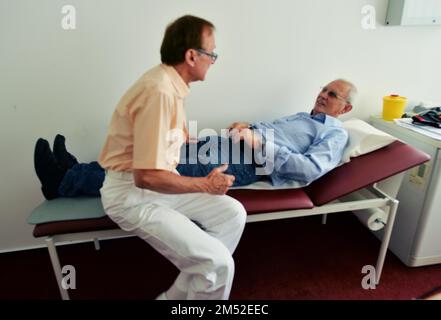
414,12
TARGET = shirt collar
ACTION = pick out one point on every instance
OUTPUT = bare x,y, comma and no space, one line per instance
181,87
325,119
320,117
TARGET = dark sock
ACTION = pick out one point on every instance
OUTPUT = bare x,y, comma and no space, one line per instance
64,158
49,172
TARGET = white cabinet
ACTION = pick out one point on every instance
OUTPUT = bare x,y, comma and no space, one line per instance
416,237
414,12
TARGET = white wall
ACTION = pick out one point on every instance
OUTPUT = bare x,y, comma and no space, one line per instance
274,56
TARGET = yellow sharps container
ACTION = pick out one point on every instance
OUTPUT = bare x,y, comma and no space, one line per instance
393,107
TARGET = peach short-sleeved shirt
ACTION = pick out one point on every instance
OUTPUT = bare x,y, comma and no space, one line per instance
148,126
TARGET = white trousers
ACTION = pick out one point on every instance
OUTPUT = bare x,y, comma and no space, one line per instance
197,232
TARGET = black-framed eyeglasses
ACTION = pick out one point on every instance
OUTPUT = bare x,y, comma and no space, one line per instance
212,55
333,94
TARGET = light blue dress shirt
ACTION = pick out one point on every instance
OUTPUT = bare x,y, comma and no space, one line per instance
305,147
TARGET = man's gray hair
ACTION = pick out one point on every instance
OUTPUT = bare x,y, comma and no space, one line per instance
352,90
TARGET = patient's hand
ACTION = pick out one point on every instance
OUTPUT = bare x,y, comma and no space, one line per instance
239,126
249,136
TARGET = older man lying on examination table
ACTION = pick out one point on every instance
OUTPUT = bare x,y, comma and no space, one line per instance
300,147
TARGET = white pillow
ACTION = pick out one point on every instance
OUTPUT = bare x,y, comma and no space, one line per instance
363,138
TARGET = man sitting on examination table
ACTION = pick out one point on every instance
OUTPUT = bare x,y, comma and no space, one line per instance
190,221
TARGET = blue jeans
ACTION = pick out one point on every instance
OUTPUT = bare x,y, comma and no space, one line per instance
217,151
197,160
84,179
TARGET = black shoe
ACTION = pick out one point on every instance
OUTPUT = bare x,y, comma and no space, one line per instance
64,158
49,172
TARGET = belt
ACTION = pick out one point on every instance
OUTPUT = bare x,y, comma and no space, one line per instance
128,176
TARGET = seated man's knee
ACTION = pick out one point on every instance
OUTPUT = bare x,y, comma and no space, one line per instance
238,212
